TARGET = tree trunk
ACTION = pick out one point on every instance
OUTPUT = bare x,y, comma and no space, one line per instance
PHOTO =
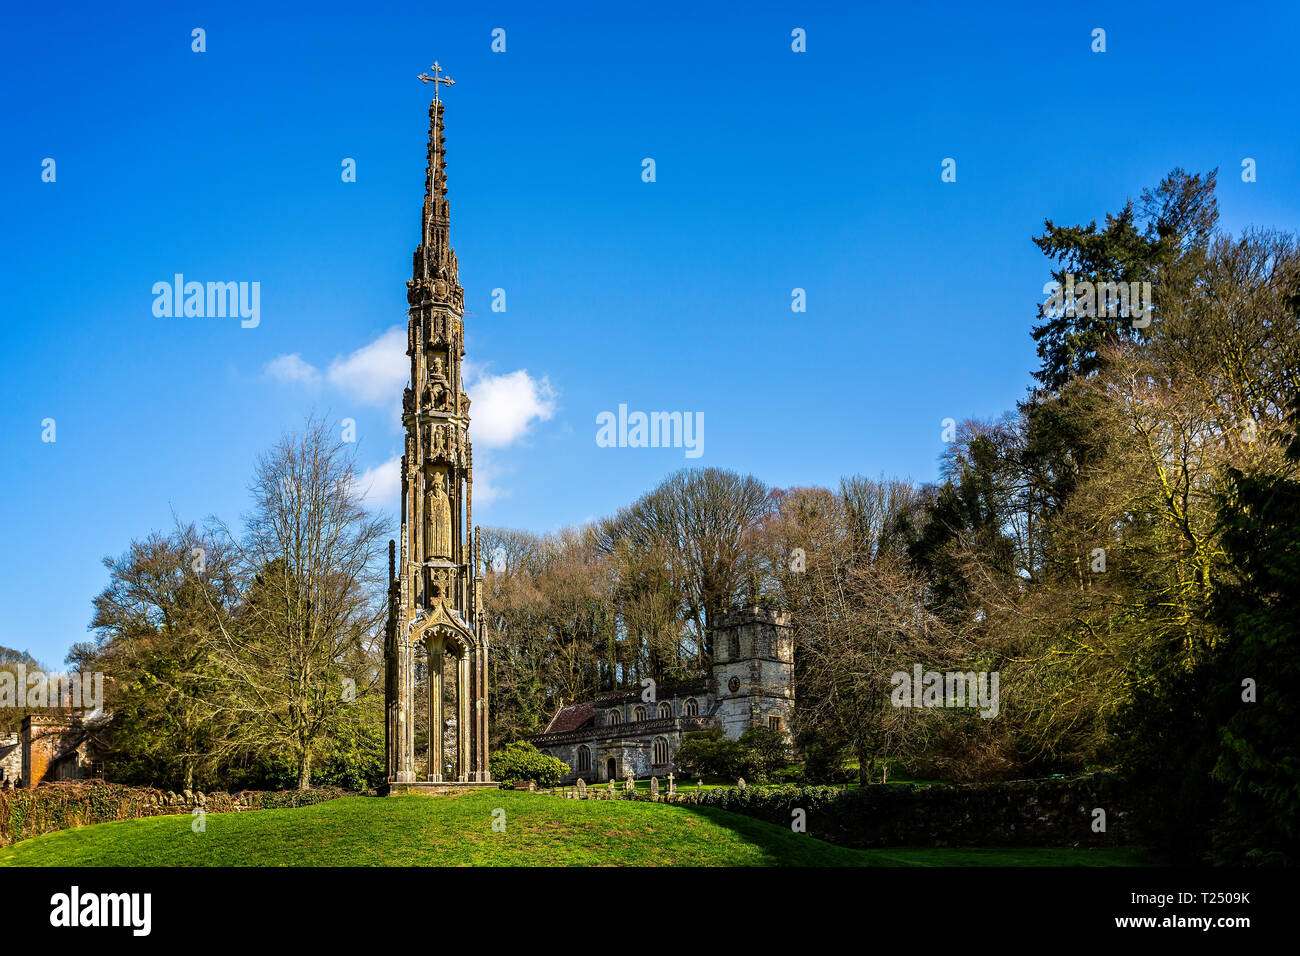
304,771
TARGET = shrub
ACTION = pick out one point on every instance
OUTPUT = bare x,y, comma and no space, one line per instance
824,762
762,754
758,756
792,775
522,761
707,753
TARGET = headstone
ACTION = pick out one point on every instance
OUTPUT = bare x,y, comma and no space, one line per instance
654,787
672,788
741,783
582,789
629,783
611,785
532,786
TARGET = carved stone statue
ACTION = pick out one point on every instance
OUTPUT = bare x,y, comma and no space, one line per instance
436,394
441,586
438,520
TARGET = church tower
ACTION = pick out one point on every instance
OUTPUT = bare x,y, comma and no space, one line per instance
753,671
435,581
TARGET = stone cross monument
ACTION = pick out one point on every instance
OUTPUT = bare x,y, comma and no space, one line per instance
435,588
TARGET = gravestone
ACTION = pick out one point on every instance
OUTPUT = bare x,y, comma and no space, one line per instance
629,783
582,789
741,783
672,788
654,787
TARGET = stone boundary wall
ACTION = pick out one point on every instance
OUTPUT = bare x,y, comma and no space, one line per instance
1046,812
58,806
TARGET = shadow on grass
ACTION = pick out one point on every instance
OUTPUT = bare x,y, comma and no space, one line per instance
924,856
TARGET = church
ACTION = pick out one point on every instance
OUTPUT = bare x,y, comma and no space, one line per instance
638,731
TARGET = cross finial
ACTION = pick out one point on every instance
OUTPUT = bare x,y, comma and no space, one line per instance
436,78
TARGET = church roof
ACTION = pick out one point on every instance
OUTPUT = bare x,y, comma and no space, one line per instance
571,717
685,688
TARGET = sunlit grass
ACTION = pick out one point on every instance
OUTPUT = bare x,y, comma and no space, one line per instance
448,830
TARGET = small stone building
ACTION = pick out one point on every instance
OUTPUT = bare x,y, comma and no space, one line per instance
49,747
11,760
751,684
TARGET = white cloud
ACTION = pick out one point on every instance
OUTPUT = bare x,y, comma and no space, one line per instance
381,486
375,373
504,406
486,480
292,369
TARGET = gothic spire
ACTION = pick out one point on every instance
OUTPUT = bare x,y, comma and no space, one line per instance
435,258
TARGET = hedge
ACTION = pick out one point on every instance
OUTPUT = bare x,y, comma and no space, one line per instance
1045,812
58,806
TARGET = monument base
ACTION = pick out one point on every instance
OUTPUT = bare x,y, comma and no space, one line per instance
432,787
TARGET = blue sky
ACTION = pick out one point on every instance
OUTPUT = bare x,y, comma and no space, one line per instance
774,170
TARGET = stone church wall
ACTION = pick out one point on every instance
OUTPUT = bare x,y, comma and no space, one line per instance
630,753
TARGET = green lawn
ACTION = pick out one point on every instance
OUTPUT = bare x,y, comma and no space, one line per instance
457,831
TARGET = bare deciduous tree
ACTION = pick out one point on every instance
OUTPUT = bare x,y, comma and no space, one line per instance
310,564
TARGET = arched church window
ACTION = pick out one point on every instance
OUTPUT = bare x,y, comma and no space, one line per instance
733,646
661,751
639,713
615,718
691,708
665,709
584,758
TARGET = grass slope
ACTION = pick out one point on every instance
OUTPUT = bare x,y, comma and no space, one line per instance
457,831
